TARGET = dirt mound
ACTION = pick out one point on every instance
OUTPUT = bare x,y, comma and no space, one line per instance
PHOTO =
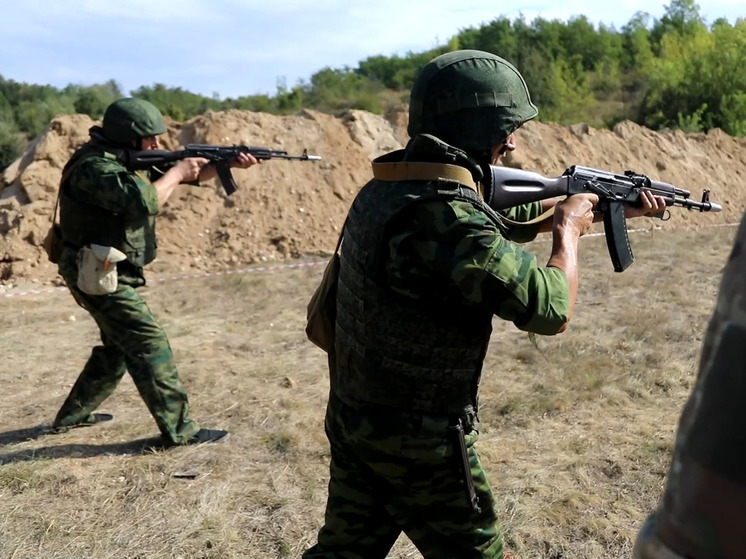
287,209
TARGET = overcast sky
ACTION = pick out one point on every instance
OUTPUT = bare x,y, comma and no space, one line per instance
231,48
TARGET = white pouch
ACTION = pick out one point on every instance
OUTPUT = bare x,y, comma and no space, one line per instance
97,269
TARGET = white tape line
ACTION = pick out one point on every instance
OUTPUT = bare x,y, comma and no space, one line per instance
240,271
274,268
178,278
33,292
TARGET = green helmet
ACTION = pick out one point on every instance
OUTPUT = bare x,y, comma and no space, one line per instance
469,99
129,119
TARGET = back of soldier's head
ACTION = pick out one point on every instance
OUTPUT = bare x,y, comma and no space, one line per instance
469,99
129,119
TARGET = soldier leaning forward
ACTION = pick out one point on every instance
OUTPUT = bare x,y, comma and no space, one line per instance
107,222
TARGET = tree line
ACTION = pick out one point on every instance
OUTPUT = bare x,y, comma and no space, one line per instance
678,71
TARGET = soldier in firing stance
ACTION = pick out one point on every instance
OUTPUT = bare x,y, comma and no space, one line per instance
106,205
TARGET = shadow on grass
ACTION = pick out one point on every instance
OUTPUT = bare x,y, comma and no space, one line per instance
77,450
22,435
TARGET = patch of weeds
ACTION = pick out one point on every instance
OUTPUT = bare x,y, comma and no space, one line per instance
657,447
18,479
528,356
283,548
280,443
593,382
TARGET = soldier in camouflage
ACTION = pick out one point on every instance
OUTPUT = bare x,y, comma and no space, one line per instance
101,202
703,511
424,266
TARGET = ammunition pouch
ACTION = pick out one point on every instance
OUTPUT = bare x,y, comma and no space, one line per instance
97,269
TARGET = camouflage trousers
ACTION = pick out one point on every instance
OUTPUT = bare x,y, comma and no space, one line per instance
399,472
132,341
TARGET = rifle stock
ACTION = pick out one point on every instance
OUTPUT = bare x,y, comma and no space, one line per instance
505,187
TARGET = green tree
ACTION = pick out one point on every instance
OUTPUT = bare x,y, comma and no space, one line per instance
579,38
698,81
637,53
560,88
11,143
497,37
33,116
681,17
10,135
176,102
92,101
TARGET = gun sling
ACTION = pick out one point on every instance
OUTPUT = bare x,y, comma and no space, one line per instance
421,171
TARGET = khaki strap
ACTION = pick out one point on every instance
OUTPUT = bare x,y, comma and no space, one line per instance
419,171
538,219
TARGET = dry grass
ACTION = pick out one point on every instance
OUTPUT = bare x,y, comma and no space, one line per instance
577,429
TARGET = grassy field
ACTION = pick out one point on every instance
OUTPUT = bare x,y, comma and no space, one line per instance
576,434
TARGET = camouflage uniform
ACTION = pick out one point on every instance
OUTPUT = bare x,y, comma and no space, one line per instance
103,203
424,267
703,511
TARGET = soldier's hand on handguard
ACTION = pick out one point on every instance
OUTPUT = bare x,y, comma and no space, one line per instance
574,215
650,205
244,161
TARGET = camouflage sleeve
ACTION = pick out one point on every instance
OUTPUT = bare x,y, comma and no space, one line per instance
105,183
522,214
452,249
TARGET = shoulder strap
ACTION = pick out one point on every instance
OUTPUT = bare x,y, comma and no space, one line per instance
341,234
67,170
418,170
65,173
53,217
415,170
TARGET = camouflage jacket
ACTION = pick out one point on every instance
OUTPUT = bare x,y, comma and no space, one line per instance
102,202
424,267
475,261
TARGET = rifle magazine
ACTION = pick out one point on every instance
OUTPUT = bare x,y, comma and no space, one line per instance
617,238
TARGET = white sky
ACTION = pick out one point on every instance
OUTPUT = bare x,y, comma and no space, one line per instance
231,48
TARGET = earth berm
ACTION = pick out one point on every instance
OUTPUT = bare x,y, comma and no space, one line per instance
292,209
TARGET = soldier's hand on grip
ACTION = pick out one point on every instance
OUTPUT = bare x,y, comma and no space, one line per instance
190,168
575,213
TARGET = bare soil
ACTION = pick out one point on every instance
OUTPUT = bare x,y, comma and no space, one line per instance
577,429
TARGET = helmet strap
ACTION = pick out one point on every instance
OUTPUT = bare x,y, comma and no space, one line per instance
482,156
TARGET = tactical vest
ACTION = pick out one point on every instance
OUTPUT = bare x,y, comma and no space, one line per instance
414,355
83,223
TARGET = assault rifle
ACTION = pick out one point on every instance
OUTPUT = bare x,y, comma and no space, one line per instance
505,187
220,156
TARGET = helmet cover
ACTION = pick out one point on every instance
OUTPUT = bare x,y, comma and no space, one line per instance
470,99
129,119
